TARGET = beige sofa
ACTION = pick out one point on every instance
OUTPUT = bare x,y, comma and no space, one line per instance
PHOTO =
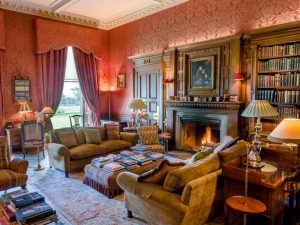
81,153
192,194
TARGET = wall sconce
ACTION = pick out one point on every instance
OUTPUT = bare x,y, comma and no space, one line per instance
239,77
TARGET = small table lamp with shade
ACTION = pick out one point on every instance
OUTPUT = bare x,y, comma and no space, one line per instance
135,105
24,108
258,109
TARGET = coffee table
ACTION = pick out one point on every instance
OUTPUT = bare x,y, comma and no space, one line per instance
105,182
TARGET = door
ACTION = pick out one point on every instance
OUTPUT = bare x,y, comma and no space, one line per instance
148,86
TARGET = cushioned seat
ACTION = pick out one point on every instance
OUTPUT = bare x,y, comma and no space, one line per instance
9,179
85,151
114,145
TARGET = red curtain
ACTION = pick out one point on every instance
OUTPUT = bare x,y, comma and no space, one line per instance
87,67
51,67
1,93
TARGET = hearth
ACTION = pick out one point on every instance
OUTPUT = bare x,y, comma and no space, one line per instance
190,122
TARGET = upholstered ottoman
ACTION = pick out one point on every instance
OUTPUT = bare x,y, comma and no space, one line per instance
105,182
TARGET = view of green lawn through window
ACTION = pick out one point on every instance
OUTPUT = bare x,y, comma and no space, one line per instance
71,100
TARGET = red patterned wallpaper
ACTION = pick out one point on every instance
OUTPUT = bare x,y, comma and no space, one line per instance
193,21
2,30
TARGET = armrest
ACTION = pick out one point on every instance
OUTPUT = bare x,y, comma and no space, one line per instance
55,149
18,165
128,182
131,137
205,185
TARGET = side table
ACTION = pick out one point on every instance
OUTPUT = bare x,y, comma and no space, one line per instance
164,138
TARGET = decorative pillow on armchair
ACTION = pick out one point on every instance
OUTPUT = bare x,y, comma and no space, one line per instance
112,131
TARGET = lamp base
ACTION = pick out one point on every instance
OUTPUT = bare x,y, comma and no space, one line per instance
254,164
39,167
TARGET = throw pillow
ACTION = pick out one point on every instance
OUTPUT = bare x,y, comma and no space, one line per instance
177,179
112,131
149,137
67,138
159,173
92,135
4,161
235,151
224,144
200,155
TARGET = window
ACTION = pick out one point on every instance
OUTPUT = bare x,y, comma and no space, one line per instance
71,102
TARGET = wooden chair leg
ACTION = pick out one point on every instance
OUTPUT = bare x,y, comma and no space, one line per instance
129,214
66,173
23,186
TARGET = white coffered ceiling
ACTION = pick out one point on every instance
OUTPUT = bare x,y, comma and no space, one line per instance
104,14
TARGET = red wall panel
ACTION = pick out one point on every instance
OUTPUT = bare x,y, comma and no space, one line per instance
193,21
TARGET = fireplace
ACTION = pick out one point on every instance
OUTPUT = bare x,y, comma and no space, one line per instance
197,124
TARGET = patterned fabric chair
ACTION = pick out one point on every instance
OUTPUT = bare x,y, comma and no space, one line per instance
149,137
12,172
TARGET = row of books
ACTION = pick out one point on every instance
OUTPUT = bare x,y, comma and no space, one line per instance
291,79
288,112
100,162
27,208
280,50
292,63
286,96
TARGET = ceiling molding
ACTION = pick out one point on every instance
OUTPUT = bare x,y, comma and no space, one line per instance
54,12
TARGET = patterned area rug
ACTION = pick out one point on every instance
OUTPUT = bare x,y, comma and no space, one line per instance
79,204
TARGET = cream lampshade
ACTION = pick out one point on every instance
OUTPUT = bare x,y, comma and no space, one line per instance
136,104
288,131
24,108
47,110
258,109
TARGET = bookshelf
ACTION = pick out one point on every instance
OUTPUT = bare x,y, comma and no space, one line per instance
277,78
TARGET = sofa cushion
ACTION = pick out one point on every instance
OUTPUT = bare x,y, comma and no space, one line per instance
85,151
114,145
67,137
200,155
158,174
80,137
177,179
235,151
92,135
112,131
4,161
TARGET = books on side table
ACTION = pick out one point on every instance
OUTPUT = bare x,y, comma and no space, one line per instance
27,208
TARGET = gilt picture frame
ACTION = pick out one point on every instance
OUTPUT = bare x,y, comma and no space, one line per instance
201,76
121,81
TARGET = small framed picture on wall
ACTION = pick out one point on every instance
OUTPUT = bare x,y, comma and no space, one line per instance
121,81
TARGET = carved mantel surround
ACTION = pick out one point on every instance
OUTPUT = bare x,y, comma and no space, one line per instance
228,111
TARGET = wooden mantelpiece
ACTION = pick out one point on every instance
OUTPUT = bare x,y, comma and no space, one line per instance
205,105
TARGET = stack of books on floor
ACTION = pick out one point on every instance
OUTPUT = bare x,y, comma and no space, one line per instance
113,167
100,162
142,149
27,208
141,159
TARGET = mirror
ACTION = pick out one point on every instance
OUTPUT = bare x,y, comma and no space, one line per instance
21,88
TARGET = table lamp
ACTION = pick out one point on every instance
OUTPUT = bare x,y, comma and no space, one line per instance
24,108
258,109
288,132
136,104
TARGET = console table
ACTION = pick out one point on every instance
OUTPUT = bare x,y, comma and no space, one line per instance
271,189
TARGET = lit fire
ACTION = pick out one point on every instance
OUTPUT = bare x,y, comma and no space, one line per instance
207,136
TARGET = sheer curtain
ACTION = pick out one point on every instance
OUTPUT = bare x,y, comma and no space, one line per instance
88,68
51,68
1,93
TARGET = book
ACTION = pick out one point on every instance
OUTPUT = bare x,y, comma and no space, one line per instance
113,157
27,199
126,153
113,167
139,158
8,196
9,214
127,163
140,148
46,220
34,212
156,156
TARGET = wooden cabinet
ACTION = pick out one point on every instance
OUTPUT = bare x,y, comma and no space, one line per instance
14,138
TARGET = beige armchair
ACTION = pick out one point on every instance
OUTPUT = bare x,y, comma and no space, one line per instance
12,172
149,136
